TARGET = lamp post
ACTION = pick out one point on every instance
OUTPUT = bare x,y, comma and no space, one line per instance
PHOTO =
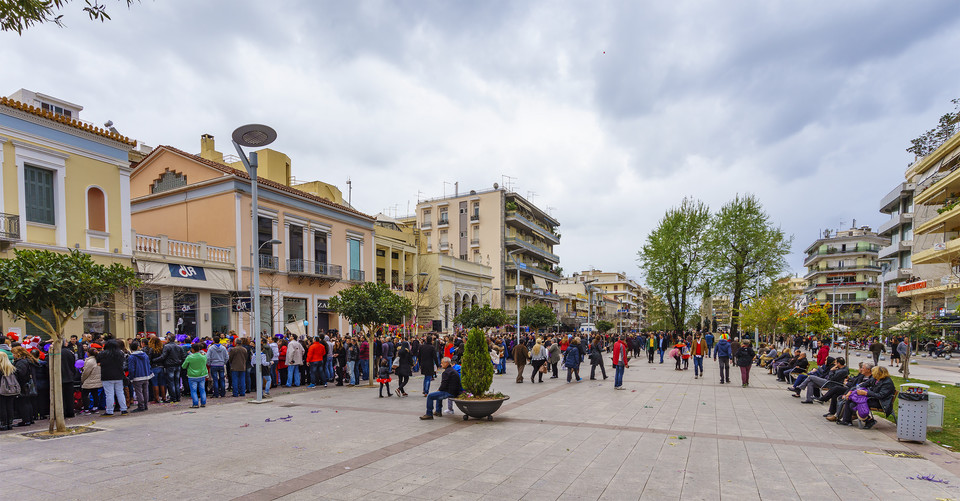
589,297
517,288
884,267
253,136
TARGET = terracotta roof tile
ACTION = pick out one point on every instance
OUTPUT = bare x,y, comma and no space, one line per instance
226,169
33,110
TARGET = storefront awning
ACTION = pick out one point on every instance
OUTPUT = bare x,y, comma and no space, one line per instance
192,277
541,283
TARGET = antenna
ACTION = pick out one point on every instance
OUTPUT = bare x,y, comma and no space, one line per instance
531,195
445,183
507,181
419,196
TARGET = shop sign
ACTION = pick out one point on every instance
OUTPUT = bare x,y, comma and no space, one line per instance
323,306
912,286
184,271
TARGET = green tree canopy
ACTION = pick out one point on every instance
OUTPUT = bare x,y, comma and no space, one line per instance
18,15
482,317
604,325
674,258
35,281
769,311
371,305
745,251
476,366
537,316
658,315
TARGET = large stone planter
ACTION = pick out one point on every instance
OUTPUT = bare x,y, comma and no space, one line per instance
479,409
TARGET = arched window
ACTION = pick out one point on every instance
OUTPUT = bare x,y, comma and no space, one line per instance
96,210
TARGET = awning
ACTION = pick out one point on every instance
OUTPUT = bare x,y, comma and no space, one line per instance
213,278
541,283
901,326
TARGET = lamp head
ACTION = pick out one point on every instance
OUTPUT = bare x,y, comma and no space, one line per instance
254,135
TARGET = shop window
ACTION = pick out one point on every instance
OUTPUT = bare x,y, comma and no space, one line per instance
148,311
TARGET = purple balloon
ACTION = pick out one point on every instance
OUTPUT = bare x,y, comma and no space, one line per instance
79,364
46,347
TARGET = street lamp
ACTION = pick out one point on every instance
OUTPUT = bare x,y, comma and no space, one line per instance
516,288
589,296
884,267
253,136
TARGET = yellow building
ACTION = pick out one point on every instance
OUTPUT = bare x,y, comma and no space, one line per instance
626,294
65,185
933,282
192,214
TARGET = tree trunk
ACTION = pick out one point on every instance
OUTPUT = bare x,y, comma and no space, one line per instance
735,313
55,366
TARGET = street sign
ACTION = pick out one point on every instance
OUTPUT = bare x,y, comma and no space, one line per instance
522,266
518,287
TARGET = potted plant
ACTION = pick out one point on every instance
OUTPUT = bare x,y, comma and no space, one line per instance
476,371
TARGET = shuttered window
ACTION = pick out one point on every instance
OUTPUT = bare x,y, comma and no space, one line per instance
38,184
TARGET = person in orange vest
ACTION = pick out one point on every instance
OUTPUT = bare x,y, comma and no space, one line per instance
315,355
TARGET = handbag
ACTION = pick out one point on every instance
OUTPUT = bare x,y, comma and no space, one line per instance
543,368
31,389
9,386
396,362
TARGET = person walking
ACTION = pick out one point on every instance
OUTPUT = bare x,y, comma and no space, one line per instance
722,353
111,361
295,354
744,360
698,351
554,351
903,349
619,362
196,366
651,347
710,339
876,348
428,358
538,358
520,356
404,368
596,358
572,359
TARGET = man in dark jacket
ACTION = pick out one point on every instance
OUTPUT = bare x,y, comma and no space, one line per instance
68,371
449,388
427,357
171,358
723,353
836,390
520,356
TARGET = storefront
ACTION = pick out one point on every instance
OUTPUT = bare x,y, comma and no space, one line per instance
181,299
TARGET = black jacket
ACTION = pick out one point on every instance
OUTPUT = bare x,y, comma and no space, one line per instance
111,365
406,363
428,360
170,356
450,382
26,370
744,356
883,390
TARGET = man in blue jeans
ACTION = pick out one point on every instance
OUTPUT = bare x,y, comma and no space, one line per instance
619,362
449,388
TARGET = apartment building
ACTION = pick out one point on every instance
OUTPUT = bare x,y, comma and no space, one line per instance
575,303
932,277
499,229
192,214
64,184
716,313
843,270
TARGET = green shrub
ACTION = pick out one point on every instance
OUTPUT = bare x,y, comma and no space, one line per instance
476,368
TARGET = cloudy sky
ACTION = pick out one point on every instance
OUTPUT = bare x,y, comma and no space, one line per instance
608,113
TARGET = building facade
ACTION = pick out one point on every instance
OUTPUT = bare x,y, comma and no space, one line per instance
502,230
64,185
843,270
309,247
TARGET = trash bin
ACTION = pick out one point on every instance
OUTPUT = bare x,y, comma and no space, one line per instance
935,411
912,412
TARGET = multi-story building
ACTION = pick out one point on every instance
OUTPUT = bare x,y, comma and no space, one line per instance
897,257
64,184
624,292
716,313
843,270
575,308
192,214
930,275
502,230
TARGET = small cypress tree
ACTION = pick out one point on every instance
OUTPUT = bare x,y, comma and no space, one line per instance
476,367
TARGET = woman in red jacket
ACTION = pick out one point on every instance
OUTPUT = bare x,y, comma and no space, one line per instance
823,353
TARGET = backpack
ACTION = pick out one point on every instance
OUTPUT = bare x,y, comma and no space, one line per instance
9,386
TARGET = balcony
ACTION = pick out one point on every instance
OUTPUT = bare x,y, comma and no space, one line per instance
268,262
357,275
515,217
834,269
893,250
443,222
892,200
533,270
314,269
162,247
516,242
948,220
475,242
938,192
474,218
939,253
9,227
444,246
833,251
426,225
889,226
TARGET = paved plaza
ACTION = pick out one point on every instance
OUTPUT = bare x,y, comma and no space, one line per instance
667,437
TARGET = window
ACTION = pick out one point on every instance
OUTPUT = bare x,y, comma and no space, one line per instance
381,253
443,217
395,255
320,247
906,233
264,235
96,210
55,109
148,311
32,331
38,187
220,313
295,248
97,318
905,261
355,272
168,181
476,209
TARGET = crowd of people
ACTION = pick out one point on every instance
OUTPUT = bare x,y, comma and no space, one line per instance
103,374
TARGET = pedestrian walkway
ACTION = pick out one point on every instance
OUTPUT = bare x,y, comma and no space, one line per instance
667,437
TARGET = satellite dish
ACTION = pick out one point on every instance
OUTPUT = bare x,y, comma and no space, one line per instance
496,186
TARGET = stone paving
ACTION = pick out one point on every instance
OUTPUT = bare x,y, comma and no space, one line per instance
668,436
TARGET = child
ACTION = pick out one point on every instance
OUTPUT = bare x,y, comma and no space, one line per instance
685,355
383,377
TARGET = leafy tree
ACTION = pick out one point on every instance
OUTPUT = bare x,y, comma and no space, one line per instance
674,257
658,315
930,140
482,317
476,367
372,306
18,15
816,319
745,250
35,281
537,316
768,311
792,324
604,326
